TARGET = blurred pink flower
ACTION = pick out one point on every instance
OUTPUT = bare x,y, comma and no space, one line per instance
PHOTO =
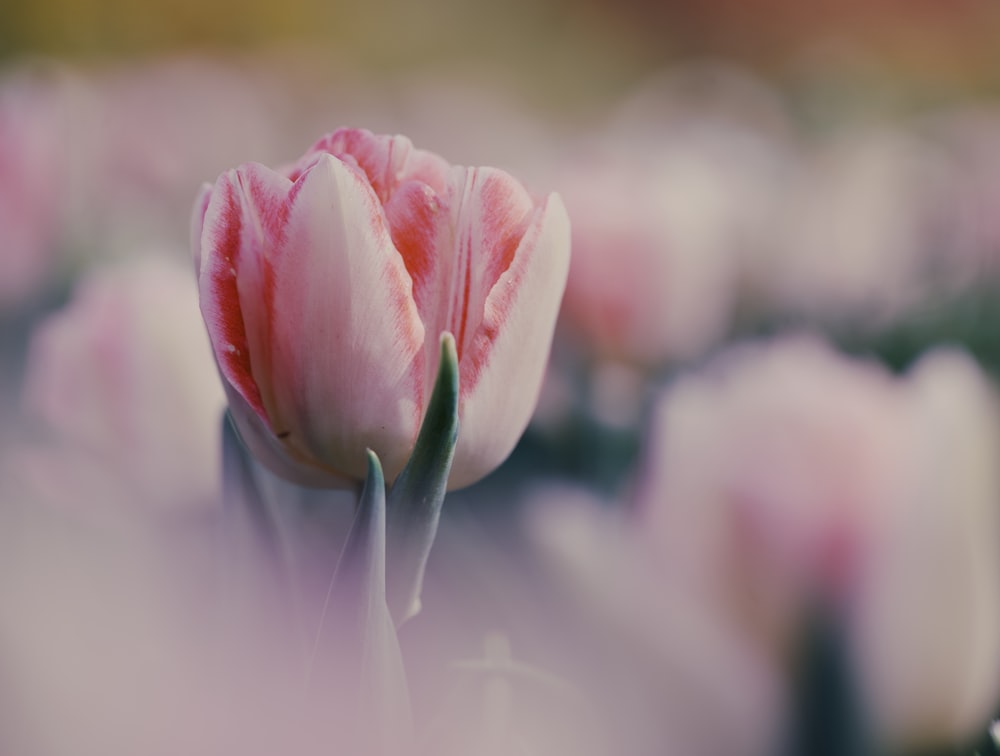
122,385
659,228
96,164
31,186
326,288
783,475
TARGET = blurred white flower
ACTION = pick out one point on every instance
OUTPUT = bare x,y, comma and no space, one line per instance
927,615
970,138
784,475
857,226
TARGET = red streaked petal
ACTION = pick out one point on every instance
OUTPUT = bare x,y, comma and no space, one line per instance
376,156
414,214
490,212
506,356
347,340
386,161
243,223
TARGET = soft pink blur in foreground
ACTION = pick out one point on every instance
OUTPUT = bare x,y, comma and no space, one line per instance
783,474
139,639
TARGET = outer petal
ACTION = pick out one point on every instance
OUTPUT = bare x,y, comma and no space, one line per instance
504,362
456,246
346,346
243,222
490,213
387,161
274,454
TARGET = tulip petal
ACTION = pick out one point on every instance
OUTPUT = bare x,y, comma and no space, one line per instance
346,338
415,215
505,356
276,456
386,161
411,185
490,214
243,223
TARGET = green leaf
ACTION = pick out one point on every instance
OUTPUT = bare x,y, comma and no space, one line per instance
414,505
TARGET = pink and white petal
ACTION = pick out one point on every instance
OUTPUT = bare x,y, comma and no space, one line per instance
276,456
386,160
243,223
415,215
347,338
489,215
502,370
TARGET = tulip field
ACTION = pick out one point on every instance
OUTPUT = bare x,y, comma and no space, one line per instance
638,396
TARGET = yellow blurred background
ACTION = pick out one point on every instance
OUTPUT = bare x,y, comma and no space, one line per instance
906,51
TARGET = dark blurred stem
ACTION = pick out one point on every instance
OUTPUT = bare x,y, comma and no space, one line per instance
828,718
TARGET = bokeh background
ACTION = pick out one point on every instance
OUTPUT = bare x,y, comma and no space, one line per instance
915,51
757,508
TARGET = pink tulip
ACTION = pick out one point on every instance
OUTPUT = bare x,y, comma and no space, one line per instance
325,288
658,229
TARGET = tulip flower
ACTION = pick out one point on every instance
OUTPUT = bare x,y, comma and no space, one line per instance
121,385
658,229
783,476
326,286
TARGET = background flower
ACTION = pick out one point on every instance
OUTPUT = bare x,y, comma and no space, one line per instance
784,476
122,396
